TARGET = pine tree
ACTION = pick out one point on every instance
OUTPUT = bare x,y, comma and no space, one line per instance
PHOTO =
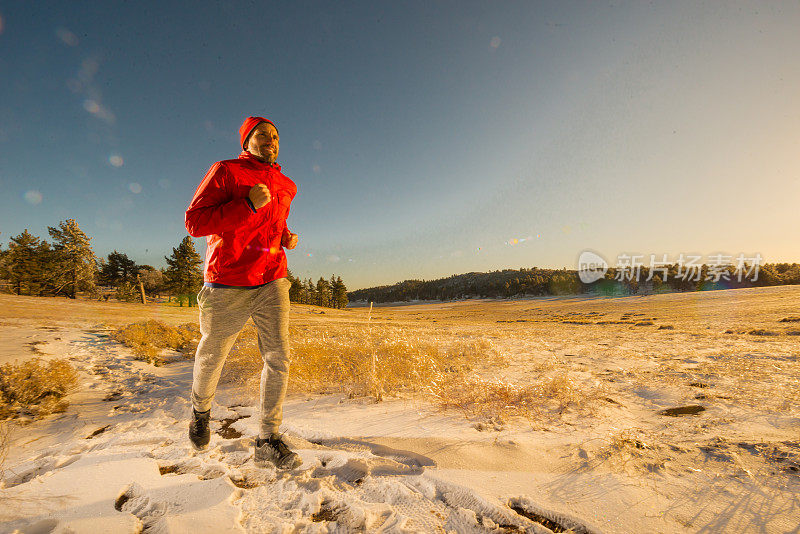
118,269
297,291
72,264
332,286
323,292
184,275
127,291
339,293
22,263
311,292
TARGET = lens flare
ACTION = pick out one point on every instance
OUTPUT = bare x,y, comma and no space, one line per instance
67,37
317,169
519,240
495,42
116,160
135,188
33,197
94,107
91,106
164,183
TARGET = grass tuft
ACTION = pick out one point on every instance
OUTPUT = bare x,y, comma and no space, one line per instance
35,387
149,339
632,450
492,399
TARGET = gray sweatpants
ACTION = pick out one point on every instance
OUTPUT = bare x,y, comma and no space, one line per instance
223,313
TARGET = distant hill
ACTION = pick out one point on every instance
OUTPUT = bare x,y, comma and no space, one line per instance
510,283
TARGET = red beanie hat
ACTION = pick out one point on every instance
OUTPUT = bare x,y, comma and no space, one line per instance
248,125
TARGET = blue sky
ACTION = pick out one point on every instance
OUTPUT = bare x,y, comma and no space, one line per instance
426,138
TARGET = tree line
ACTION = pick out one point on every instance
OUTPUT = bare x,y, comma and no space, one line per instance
67,266
329,293
510,283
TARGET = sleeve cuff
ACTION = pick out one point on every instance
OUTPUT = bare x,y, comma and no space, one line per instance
250,203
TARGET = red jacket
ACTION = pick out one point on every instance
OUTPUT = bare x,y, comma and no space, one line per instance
244,247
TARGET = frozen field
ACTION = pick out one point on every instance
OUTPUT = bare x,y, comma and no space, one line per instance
680,413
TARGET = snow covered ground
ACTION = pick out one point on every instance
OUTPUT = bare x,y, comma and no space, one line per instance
118,460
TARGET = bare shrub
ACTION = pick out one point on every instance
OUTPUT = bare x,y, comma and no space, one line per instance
148,339
35,387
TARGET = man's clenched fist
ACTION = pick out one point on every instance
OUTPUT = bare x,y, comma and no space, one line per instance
289,240
259,195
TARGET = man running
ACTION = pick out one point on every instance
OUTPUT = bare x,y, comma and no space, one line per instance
241,207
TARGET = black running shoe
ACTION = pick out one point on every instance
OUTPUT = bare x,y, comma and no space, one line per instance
199,433
275,451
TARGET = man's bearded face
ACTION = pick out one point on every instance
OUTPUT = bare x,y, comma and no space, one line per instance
264,142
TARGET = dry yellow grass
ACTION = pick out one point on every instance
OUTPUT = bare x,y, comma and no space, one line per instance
148,339
4,437
626,443
35,387
380,360
635,451
548,396
362,360
755,380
